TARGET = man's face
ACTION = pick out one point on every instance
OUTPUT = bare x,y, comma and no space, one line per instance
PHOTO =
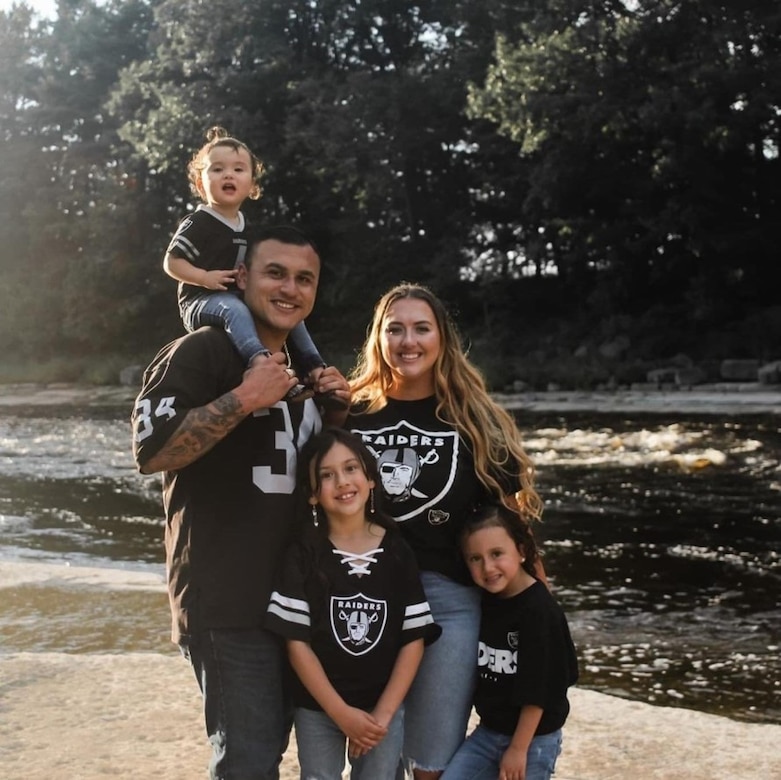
280,285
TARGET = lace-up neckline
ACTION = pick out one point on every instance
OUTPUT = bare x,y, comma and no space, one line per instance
359,562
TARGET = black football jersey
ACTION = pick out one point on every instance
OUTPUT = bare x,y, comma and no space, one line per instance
208,241
356,612
231,514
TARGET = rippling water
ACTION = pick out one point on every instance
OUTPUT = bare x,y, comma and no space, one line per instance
662,540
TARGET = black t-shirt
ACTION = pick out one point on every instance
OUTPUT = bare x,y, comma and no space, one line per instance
526,656
428,479
208,241
231,514
356,612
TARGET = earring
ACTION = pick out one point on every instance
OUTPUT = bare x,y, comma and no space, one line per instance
314,515
371,501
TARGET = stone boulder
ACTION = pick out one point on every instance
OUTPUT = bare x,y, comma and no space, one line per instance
740,370
770,373
130,376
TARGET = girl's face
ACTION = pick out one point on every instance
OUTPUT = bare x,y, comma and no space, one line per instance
410,342
344,486
495,562
226,179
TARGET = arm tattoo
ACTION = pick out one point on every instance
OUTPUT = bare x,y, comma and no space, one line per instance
200,430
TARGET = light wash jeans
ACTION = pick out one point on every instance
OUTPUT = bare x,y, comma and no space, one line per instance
322,749
438,705
227,311
243,676
480,756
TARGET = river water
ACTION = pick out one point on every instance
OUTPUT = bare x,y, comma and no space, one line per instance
662,539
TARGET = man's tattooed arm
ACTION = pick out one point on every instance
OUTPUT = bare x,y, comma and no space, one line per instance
200,430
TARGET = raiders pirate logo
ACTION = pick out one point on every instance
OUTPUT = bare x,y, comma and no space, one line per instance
358,622
417,467
512,640
437,516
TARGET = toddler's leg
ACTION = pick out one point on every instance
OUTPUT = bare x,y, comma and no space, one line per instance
227,311
307,356
304,349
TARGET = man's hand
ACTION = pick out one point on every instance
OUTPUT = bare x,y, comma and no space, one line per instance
330,382
265,382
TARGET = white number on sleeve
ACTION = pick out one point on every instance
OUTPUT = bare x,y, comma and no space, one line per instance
144,422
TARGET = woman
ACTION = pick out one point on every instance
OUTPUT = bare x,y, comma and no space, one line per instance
443,448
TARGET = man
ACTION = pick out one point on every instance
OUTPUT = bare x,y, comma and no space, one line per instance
227,444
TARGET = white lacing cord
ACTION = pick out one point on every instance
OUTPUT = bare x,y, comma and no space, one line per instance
359,562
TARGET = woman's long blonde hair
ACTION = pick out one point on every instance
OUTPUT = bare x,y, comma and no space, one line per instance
462,400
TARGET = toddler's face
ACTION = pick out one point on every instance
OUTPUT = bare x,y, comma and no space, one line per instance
226,179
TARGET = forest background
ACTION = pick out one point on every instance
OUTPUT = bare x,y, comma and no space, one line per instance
593,187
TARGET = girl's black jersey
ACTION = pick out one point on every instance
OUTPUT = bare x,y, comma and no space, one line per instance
356,612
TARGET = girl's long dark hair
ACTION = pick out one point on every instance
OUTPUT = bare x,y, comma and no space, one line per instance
311,457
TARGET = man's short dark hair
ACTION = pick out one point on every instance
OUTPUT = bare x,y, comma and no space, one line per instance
285,234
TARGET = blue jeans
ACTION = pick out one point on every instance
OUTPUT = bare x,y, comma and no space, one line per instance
227,311
438,705
480,756
322,746
243,676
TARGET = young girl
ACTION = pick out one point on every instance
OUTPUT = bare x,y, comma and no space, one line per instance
351,606
526,658
210,244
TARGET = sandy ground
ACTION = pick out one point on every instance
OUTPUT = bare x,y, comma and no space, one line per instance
89,717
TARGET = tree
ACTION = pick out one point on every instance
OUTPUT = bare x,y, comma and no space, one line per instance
650,131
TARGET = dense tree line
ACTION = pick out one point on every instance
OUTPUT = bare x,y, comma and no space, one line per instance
562,173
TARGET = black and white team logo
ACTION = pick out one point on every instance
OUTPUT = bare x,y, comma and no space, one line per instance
512,640
417,467
358,622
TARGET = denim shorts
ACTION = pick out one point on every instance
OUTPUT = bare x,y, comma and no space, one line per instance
480,756
438,705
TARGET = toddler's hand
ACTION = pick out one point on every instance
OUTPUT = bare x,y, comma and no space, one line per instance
219,279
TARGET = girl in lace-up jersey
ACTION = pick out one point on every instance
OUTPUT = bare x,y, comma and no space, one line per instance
351,608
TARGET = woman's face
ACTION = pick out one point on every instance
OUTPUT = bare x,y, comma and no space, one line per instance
410,342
